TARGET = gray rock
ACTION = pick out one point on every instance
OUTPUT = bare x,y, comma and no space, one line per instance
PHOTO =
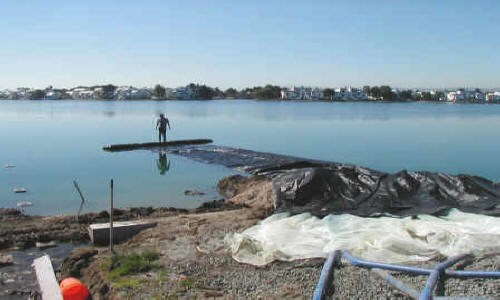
6,260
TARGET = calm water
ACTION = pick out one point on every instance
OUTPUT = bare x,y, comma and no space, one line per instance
51,143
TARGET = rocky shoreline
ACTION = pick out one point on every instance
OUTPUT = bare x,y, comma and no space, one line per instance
193,262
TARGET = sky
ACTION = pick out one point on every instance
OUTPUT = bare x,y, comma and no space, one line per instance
411,44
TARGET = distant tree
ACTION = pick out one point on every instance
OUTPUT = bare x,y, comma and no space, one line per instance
159,92
37,95
406,95
13,96
366,89
329,94
267,92
247,93
231,93
416,96
427,96
438,95
218,93
387,93
204,92
375,92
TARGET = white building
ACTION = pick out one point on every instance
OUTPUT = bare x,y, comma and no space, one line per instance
302,93
82,93
350,94
493,96
456,96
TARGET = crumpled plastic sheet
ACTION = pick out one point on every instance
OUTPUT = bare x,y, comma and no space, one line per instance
318,187
383,239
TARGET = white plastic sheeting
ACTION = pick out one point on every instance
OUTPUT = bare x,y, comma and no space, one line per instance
383,239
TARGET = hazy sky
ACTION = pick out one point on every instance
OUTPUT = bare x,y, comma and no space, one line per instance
245,43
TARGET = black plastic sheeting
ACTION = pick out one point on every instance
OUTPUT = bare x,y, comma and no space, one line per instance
321,188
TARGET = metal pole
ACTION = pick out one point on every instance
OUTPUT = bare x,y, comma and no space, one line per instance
111,221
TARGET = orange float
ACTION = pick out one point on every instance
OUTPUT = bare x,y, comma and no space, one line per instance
73,289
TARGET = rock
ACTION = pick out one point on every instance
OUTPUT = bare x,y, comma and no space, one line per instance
25,244
79,259
50,244
193,193
6,260
10,212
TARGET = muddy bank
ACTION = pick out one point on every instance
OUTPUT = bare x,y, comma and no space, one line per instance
20,231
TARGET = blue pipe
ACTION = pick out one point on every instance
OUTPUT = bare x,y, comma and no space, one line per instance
358,262
472,274
326,276
396,283
327,272
457,298
437,272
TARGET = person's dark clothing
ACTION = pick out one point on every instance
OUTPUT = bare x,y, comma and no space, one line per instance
162,124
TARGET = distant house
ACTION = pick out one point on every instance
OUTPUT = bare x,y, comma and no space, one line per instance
492,97
302,93
350,94
81,93
139,94
131,93
181,93
456,96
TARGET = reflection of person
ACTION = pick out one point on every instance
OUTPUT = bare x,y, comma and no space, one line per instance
161,125
162,163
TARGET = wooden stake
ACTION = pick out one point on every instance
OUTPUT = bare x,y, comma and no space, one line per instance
81,203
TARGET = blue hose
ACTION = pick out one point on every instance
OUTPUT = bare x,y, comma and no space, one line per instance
368,264
472,274
418,271
437,272
326,276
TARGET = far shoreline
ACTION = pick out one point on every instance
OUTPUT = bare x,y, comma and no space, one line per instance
256,100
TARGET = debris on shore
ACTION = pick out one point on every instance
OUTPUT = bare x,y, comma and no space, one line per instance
24,203
193,193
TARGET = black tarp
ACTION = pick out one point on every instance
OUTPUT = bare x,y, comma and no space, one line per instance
321,188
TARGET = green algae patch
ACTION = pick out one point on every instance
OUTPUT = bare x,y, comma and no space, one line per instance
129,264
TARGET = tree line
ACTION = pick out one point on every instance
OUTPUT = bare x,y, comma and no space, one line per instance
204,92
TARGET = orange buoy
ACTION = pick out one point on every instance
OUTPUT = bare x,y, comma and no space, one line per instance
73,289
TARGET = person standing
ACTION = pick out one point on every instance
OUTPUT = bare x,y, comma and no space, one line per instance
161,125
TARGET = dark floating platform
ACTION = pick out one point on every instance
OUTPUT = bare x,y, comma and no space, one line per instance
128,147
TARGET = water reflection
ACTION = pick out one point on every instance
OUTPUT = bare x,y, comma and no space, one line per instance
163,163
